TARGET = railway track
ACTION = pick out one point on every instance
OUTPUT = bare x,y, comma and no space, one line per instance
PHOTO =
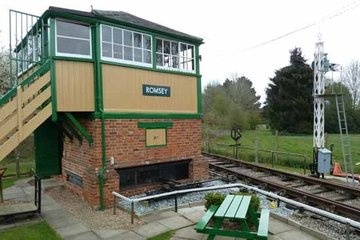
339,198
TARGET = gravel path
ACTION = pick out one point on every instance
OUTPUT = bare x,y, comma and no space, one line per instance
93,219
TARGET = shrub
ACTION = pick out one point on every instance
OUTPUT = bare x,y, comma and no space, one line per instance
213,198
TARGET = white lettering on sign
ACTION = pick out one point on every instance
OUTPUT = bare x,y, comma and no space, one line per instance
157,90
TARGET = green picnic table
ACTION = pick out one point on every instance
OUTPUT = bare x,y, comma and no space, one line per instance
237,209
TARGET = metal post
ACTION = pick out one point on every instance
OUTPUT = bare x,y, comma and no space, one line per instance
256,150
176,203
347,231
114,210
276,145
304,165
1,190
17,165
272,159
132,212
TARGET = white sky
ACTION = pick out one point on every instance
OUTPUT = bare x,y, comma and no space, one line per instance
230,26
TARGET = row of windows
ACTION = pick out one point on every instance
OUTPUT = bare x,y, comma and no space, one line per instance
124,46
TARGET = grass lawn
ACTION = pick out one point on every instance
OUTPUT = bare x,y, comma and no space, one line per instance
299,144
37,231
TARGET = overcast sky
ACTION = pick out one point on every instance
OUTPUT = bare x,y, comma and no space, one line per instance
231,29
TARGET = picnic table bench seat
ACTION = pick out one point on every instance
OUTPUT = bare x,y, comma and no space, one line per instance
234,208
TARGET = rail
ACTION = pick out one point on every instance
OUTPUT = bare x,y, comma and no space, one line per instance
347,221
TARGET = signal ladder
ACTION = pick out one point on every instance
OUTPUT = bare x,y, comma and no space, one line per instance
344,136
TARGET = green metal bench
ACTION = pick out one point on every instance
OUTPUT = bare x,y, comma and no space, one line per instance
236,209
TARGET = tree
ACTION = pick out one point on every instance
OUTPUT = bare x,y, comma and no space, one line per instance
232,104
351,78
4,71
289,96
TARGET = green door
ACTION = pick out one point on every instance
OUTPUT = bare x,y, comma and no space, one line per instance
48,149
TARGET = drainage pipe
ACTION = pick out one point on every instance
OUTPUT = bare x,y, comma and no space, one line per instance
344,220
102,171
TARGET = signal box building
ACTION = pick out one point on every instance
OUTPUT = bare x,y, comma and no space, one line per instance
114,101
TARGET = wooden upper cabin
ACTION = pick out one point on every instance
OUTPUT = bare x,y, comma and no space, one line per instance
112,64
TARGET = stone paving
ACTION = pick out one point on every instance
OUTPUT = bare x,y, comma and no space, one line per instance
182,222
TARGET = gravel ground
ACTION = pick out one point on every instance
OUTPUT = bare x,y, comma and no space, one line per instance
93,219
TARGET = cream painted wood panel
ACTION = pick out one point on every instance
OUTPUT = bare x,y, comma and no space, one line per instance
75,86
122,91
155,137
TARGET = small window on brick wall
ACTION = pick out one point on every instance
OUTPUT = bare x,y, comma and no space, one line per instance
74,179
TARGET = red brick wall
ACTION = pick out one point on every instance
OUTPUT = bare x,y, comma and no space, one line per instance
125,142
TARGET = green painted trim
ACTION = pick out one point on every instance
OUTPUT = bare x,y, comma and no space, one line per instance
155,146
69,127
198,80
155,125
54,115
80,128
62,58
148,115
149,69
99,105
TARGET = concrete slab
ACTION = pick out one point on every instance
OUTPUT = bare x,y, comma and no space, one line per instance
61,222
158,216
105,234
151,229
127,236
84,236
295,234
277,226
71,230
51,183
175,222
193,214
187,233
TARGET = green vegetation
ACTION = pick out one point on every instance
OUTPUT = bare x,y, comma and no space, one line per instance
266,140
163,236
216,198
37,231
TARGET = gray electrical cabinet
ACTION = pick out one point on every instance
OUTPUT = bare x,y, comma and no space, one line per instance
324,160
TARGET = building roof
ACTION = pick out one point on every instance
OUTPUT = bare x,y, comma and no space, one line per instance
127,19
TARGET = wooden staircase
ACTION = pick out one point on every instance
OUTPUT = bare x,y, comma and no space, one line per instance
25,108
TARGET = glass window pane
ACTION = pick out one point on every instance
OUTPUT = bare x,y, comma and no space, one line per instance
190,51
117,35
106,33
137,55
106,50
167,47
137,40
191,65
72,30
146,42
73,46
167,61
118,51
159,59
174,48
159,47
175,62
128,38
147,56
183,63
128,53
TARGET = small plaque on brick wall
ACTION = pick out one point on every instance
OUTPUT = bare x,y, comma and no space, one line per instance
155,137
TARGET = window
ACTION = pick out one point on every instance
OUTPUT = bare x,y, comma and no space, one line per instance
29,53
125,46
131,177
73,39
172,55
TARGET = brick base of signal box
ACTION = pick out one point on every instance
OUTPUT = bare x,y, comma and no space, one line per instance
125,143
